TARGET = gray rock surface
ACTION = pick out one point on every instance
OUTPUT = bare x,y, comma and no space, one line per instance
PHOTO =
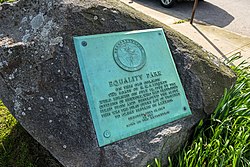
40,80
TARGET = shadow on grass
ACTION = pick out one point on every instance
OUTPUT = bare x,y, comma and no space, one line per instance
19,149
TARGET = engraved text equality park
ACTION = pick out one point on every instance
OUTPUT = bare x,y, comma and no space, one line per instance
139,98
131,83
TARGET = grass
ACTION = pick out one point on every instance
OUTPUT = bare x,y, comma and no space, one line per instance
181,21
18,148
2,1
222,140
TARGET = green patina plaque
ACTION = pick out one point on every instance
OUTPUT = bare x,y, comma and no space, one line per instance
131,82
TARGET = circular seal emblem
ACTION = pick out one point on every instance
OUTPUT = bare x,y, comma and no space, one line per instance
129,55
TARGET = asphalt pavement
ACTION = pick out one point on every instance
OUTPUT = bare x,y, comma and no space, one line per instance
238,10
220,27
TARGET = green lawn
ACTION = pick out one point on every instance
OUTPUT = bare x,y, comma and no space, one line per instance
18,148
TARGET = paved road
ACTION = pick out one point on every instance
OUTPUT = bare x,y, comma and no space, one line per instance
220,42
240,10
229,14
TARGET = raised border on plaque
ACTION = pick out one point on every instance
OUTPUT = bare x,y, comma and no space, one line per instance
131,82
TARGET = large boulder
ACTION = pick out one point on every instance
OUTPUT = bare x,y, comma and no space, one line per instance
40,81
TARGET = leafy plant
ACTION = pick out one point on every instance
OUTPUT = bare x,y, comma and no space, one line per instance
155,163
222,140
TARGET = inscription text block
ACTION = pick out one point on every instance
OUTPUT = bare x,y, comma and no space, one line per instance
131,82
